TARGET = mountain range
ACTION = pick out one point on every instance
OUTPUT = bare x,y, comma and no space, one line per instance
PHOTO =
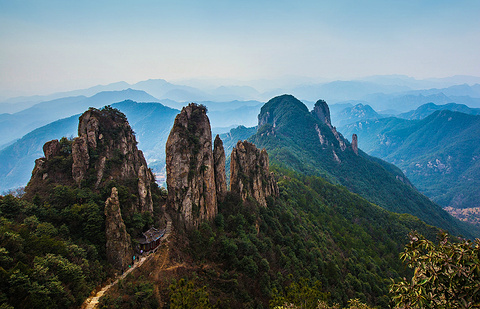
333,232
22,122
439,153
297,139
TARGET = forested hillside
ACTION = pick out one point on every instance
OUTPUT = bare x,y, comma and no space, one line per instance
439,154
296,139
315,235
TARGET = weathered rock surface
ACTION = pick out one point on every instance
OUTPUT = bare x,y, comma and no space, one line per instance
190,167
322,112
81,159
105,150
118,245
249,174
219,167
355,143
51,149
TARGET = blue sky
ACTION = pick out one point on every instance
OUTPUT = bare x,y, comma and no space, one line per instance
58,45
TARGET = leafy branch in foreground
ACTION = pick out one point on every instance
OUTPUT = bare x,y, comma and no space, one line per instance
446,275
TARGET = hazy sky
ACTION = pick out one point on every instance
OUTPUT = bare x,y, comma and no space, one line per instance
52,45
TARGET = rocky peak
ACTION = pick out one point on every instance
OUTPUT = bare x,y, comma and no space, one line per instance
190,167
105,150
355,143
322,112
281,109
119,245
249,173
219,167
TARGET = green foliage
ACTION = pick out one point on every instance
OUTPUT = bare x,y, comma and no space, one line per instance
136,294
291,136
184,295
446,275
438,153
301,294
314,230
39,264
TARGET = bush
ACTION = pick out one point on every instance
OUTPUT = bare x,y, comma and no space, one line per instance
446,275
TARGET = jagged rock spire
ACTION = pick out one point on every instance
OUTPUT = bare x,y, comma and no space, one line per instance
322,112
249,173
119,245
190,167
219,165
355,143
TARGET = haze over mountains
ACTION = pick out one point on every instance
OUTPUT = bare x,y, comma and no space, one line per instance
340,214
361,107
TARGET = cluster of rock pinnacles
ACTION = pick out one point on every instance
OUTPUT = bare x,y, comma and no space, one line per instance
196,177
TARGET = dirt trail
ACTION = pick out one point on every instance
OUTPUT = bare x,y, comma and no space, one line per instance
93,301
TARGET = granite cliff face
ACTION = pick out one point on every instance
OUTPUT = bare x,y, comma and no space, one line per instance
104,151
190,167
119,245
249,174
219,165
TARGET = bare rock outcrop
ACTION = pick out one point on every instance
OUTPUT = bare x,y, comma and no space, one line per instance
119,244
105,150
81,159
322,112
219,167
355,143
51,149
190,167
249,174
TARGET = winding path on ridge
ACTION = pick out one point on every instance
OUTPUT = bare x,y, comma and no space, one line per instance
93,300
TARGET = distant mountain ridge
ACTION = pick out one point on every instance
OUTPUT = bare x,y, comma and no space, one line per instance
355,113
296,139
440,153
429,108
20,123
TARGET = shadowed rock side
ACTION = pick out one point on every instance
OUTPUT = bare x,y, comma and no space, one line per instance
249,174
355,143
219,164
119,248
105,150
322,112
51,149
190,167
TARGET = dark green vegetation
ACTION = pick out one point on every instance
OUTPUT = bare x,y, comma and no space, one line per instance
446,275
290,135
315,234
52,243
317,241
52,253
440,154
